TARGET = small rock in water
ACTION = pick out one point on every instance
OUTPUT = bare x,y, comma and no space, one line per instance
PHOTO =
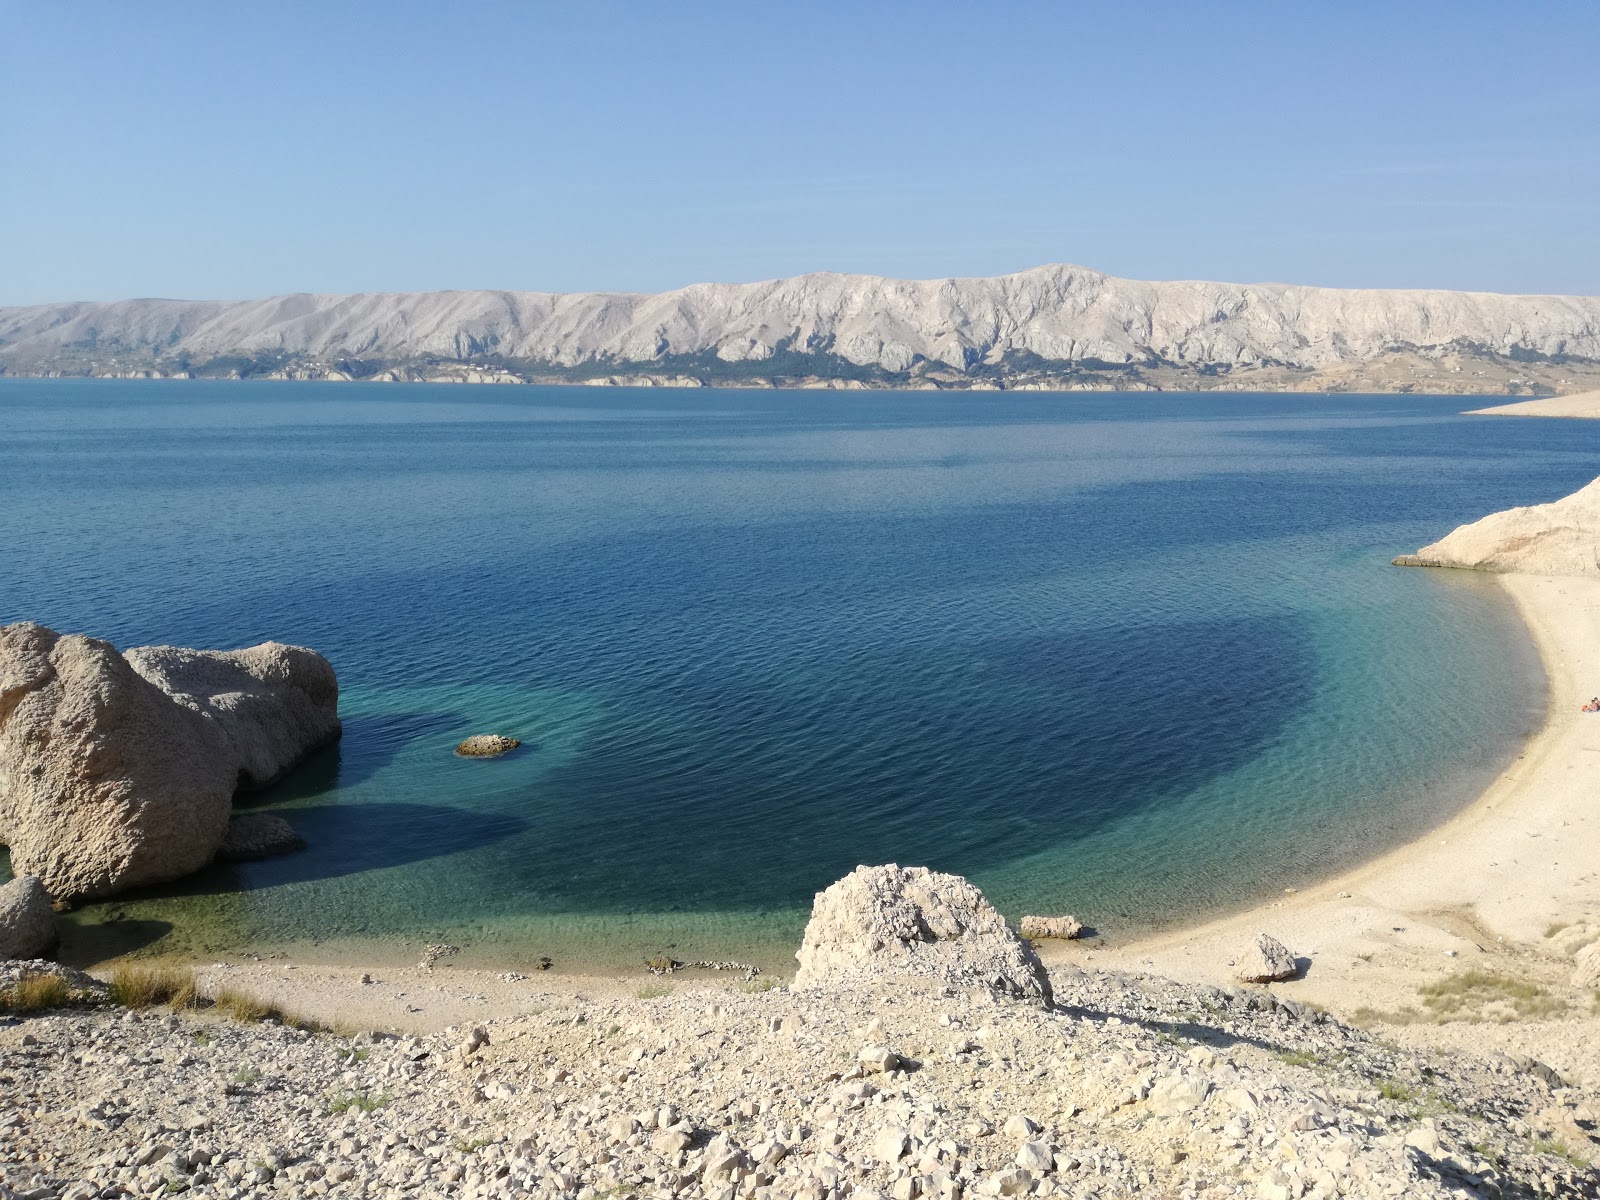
487,745
258,835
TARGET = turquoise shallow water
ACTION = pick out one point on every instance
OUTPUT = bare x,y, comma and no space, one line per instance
1140,658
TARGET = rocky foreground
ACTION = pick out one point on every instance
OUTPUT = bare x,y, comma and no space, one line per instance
1129,1086
919,1054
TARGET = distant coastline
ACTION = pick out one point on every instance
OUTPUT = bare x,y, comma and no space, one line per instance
1053,328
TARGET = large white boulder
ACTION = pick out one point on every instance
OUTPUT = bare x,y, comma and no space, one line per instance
119,770
1559,538
105,783
878,924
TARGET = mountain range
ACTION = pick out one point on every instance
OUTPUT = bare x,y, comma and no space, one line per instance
1053,326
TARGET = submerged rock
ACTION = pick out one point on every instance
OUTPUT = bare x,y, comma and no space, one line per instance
274,703
880,923
27,922
1065,928
105,783
487,745
258,835
1266,961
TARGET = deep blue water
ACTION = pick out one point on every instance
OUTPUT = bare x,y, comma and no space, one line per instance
1134,657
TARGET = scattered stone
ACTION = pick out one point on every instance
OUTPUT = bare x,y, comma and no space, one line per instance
878,1059
1266,961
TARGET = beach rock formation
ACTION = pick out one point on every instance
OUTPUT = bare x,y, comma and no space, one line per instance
27,922
1586,967
882,923
258,835
1266,961
1559,538
1065,928
119,770
487,745
275,704
105,783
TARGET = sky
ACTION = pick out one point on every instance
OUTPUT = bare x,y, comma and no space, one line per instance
205,150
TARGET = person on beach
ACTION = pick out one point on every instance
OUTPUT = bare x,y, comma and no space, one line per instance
1593,705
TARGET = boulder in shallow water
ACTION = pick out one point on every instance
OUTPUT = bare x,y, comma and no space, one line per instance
105,783
27,922
1065,928
879,924
1266,961
487,745
258,835
274,703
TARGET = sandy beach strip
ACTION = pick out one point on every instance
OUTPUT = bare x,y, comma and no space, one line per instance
1580,404
1480,891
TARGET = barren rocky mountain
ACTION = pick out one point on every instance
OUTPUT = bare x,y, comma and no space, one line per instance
1052,326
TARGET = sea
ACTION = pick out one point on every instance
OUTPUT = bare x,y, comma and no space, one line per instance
1141,658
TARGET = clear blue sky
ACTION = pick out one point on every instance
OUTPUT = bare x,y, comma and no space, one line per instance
239,149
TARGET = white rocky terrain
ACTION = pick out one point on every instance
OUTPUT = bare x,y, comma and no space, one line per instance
1559,538
875,1083
1035,326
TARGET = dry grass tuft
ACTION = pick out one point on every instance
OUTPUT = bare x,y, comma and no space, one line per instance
142,987
32,993
1484,996
240,1007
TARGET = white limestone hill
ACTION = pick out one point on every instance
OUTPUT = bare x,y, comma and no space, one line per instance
833,325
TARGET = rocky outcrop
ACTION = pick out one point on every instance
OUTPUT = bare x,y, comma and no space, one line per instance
843,324
274,703
487,745
27,922
1559,538
1050,927
1586,967
105,783
882,923
1266,961
113,777
258,835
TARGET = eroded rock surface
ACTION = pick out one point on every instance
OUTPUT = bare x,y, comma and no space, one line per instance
1559,538
119,770
27,923
1050,927
878,923
487,745
105,783
274,703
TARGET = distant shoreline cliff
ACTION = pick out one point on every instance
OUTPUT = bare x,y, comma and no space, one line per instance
1054,327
